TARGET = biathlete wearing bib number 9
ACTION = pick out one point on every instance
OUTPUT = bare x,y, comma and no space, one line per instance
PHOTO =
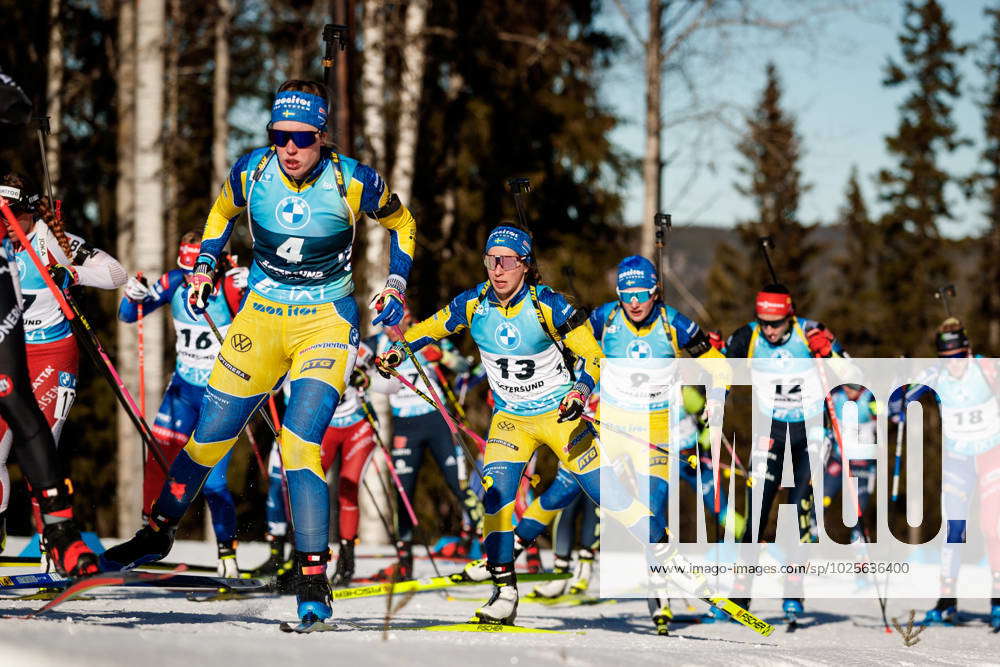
529,378
299,318
177,415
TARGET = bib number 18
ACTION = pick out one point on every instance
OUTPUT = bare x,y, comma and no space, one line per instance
291,250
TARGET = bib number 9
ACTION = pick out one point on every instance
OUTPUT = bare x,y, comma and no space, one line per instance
291,250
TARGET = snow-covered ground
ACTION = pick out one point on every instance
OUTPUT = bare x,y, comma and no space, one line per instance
146,628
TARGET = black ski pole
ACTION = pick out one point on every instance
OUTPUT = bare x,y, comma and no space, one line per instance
519,186
767,243
334,36
662,223
942,294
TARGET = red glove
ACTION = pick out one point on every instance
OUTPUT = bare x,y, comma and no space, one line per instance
715,338
820,341
432,353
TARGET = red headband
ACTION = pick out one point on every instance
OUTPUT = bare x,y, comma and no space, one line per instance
772,304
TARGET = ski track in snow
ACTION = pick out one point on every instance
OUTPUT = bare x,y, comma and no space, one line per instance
146,628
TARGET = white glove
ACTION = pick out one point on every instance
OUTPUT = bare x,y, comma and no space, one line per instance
239,275
136,290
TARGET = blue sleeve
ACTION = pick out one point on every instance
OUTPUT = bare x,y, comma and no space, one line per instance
372,187
236,180
162,291
686,328
562,309
598,317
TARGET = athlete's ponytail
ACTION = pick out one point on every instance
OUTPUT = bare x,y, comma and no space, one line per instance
43,210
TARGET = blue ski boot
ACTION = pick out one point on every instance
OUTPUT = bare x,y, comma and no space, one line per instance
312,589
945,612
995,615
792,608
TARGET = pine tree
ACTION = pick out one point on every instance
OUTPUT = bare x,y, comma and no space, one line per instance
854,316
910,264
772,149
986,327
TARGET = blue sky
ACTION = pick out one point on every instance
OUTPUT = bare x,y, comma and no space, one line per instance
832,82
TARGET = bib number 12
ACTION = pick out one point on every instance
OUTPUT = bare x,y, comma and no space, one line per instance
291,250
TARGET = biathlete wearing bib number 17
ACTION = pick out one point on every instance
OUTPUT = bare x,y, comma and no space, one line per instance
299,319
520,327
196,349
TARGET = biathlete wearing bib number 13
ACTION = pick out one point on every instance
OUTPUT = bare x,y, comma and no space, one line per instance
519,328
300,319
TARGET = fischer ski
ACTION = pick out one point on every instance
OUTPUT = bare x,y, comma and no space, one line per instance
100,580
433,584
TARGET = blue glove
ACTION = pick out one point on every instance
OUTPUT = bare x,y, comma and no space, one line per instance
390,307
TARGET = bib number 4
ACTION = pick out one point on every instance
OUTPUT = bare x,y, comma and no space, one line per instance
291,250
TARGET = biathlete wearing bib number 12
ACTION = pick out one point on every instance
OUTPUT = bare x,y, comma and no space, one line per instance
520,327
299,319
196,349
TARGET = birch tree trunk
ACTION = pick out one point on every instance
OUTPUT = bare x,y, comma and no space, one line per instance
411,90
220,103
173,57
148,250
370,529
129,471
652,158
53,92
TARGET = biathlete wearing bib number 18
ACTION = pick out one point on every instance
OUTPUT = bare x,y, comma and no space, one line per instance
299,319
520,327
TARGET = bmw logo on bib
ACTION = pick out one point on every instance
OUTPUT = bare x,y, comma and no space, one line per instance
638,349
292,212
507,336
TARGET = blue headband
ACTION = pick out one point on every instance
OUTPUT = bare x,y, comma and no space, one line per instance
303,107
636,271
509,237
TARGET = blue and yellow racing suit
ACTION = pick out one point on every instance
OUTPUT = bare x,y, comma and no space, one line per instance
660,337
299,319
521,347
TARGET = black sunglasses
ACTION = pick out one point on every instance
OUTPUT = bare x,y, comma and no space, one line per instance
301,138
771,324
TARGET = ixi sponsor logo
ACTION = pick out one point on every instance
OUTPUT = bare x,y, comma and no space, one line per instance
289,310
314,364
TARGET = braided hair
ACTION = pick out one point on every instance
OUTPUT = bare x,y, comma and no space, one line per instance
43,211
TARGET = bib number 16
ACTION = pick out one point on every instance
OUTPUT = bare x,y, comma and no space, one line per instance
291,250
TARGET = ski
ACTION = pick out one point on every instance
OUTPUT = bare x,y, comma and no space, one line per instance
169,579
223,594
99,580
742,616
432,584
475,626
307,625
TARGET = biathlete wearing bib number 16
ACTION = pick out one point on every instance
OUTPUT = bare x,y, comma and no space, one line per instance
520,327
196,349
299,319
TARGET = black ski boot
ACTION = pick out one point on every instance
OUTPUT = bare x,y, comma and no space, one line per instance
276,561
151,543
66,548
312,590
3,530
345,565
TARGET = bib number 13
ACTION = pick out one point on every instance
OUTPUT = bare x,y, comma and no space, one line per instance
291,250
526,368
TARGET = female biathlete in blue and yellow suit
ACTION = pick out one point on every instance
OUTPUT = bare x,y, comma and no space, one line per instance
299,319
520,327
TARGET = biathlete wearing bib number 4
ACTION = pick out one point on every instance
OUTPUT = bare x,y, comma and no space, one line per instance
177,415
299,319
